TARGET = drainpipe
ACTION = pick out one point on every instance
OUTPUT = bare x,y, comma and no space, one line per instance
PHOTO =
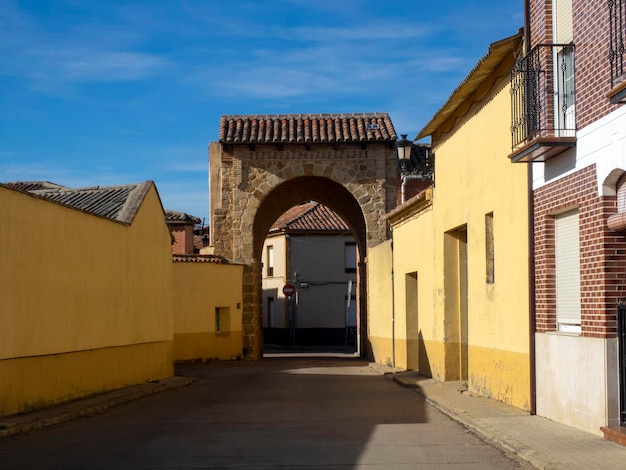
532,324
393,309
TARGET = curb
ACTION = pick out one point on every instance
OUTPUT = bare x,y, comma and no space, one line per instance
20,424
487,432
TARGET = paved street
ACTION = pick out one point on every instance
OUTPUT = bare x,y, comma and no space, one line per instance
278,413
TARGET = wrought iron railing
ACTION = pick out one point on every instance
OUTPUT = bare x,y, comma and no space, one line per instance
617,22
542,94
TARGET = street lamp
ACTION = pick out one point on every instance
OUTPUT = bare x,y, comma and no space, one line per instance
404,147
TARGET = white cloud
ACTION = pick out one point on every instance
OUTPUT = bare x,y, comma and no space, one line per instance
94,65
51,59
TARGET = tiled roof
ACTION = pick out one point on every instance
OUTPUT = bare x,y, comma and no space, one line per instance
306,128
118,203
180,217
32,185
308,217
199,259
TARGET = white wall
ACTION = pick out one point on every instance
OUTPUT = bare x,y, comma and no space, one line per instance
574,386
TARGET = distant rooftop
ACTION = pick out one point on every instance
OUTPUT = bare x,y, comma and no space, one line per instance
177,217
309,217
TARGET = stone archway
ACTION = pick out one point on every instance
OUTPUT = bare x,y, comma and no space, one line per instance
263,165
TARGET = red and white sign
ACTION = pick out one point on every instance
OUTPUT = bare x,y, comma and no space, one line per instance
288,289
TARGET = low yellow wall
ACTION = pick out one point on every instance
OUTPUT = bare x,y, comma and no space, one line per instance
200,288
35,382
500,374
379,302
86,301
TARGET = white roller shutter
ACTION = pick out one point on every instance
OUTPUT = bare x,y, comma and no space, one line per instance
567,254
563,30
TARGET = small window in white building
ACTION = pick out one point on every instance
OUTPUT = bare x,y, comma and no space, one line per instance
567,260
350,257
270,261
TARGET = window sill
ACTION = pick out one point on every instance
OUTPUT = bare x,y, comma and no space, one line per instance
563,333
617,94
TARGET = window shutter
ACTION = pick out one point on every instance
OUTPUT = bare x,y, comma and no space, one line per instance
567,253
621,195
563,30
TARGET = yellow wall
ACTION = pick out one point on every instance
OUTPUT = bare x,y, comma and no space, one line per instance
473,178
86,302
200,288
379,302
418,332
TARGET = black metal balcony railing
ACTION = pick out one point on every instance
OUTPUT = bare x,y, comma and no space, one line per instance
617,22
542,95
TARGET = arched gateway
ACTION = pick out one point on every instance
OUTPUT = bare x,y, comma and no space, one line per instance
266,164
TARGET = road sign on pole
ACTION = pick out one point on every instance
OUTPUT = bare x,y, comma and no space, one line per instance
288,289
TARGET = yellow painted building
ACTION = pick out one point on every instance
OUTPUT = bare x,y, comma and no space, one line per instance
380,303
460,249
86,293
207,308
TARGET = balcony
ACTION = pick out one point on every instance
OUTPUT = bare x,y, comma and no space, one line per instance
543,122
617,28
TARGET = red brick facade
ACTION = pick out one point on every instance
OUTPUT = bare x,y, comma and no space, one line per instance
602,254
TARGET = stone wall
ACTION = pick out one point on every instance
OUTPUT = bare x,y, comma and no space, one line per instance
252,185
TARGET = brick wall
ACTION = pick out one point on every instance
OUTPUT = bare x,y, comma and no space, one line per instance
602,254
183,239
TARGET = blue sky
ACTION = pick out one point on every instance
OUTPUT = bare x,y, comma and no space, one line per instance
108,92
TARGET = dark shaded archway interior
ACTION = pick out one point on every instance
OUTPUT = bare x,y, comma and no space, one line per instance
329,193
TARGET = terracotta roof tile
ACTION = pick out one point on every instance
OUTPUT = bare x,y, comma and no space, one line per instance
199,259
306,128
308,217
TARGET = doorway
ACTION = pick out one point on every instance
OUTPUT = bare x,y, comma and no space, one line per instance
456,303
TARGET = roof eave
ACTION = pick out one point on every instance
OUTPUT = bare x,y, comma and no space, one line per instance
485,66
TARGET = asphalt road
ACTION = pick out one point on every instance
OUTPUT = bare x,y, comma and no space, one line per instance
276,413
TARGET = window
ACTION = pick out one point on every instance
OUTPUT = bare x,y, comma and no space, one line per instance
567,261
350,257
222,320
270,261
489,249
564,70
